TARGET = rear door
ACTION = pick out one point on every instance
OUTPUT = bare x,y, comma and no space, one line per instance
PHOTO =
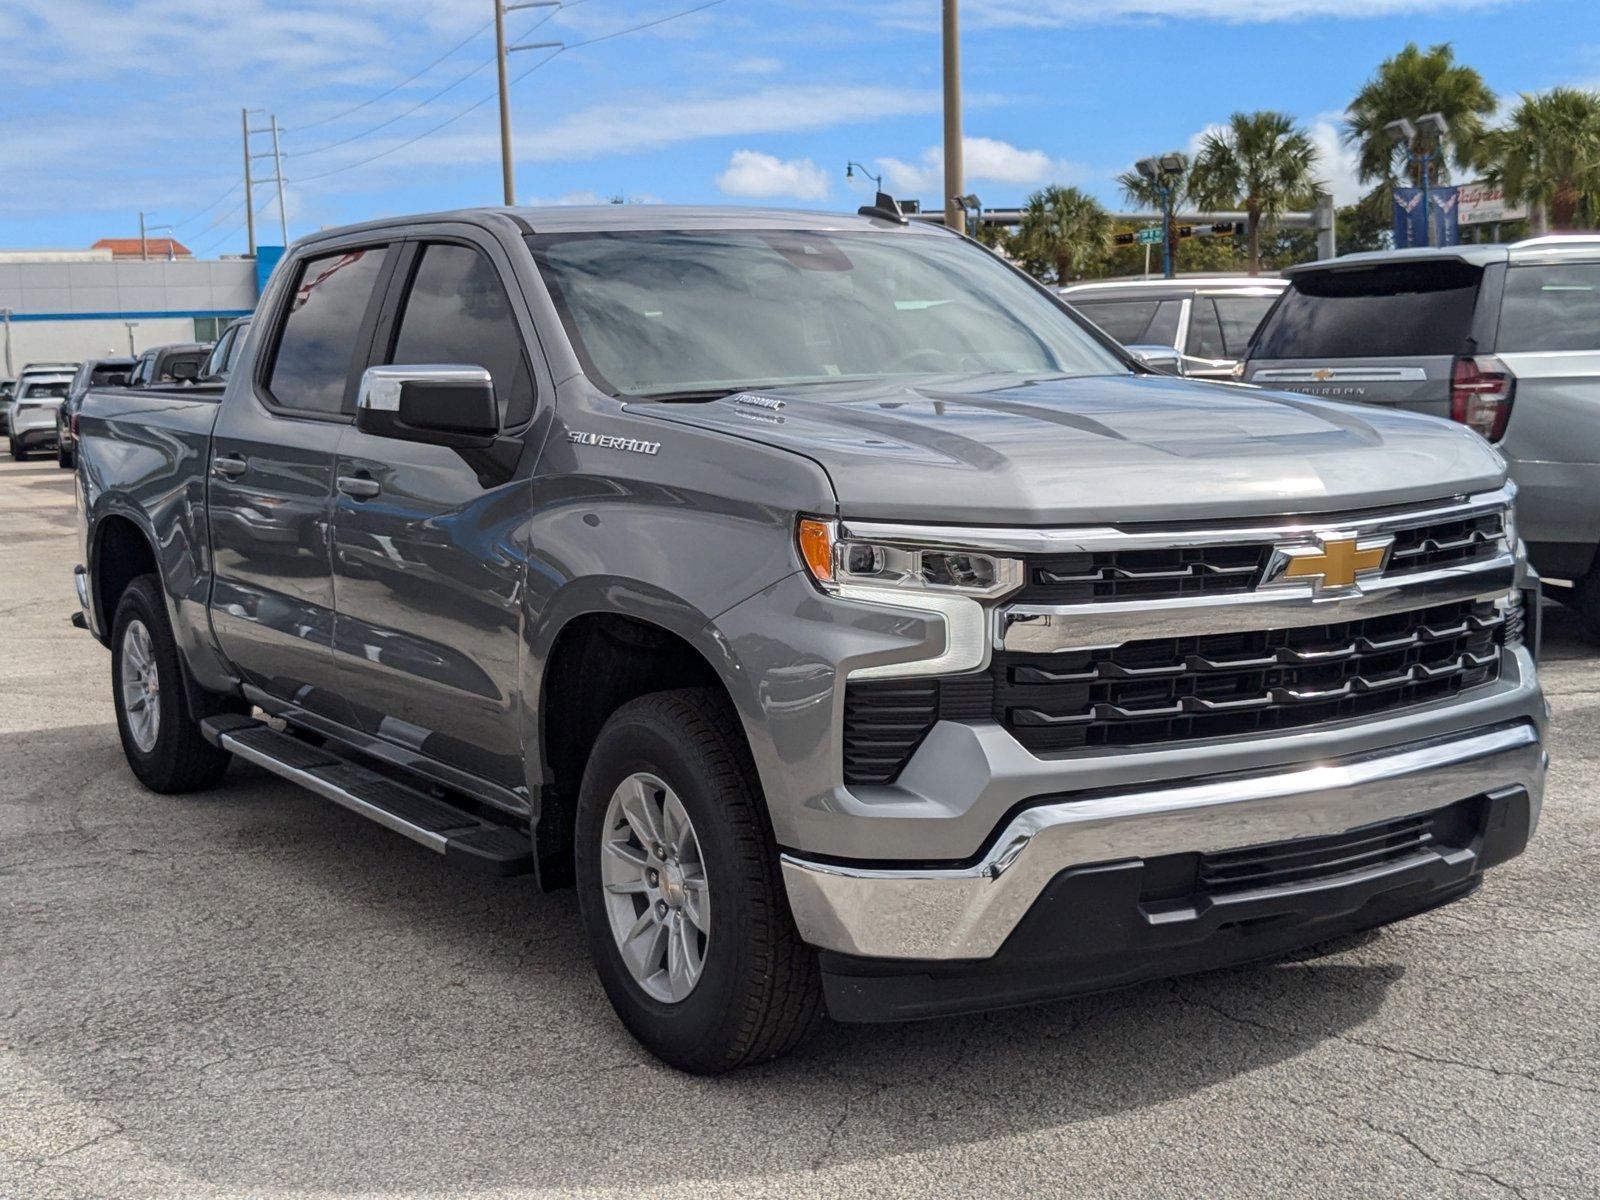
1384,334
271,483
428,573
1549,339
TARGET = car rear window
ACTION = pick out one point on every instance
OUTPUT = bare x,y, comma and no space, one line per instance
1550,307
1134,322
1397,310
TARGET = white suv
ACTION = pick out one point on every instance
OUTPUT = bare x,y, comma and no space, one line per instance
33,412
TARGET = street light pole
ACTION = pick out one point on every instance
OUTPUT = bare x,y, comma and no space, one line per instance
955,216
852,166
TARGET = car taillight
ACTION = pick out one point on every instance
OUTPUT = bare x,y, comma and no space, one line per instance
1481,389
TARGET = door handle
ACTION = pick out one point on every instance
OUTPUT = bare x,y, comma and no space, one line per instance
359,487
229,467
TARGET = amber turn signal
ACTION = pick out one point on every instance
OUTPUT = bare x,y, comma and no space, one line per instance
816,548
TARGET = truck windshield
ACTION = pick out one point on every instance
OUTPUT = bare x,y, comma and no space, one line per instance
1392,311
664,312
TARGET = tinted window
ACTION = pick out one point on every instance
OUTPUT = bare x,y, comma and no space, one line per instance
1393,311
1239,317
235,344
311,368
1551,308
216,362
44,391
1135,322
1205,331
457,311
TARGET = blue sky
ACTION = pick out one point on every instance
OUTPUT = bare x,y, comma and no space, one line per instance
113,106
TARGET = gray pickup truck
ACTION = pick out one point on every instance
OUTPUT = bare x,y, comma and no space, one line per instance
858,629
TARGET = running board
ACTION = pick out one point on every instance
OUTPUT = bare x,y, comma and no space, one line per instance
460,836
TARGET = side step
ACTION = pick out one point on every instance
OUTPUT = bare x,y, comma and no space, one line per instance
469,840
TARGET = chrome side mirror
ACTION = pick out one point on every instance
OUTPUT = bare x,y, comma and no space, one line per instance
1164,360
449,404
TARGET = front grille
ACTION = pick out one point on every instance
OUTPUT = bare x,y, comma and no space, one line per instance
1175,689
1179,879
1165,574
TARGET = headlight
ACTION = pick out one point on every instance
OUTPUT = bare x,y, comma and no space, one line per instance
950,583
835,563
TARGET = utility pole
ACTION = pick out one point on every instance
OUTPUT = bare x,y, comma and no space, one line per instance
249,184
144,244
277,162
507,171
955,216
508,174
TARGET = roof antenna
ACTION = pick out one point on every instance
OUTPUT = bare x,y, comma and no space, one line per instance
886,208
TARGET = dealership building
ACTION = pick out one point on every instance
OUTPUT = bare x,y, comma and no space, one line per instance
68,305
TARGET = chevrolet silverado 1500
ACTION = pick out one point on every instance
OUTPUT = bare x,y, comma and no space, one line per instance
858,629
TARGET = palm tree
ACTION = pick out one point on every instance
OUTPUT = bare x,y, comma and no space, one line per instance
1262,162
1143,194
1406,86
1064,231
1548,156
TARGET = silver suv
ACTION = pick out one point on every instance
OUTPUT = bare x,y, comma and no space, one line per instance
1208,319
1504,339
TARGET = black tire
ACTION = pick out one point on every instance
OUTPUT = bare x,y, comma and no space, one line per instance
64,458
1585,603
180,759
759,994
17,452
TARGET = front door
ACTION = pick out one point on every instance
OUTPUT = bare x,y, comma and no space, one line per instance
427,539
271,480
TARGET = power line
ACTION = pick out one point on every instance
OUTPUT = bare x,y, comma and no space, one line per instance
450,120
200,212
423,103
339,116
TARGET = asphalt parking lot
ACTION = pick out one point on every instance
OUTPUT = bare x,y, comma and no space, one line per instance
252,992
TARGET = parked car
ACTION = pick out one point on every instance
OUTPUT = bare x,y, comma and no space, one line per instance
219,363
855,625
95,372
8,395
1504,339
162,365
33,423
1208,319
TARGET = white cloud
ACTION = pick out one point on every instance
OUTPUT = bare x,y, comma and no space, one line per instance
1336,162
985,160
762,176
757,66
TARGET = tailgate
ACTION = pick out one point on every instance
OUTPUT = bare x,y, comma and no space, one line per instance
1415,384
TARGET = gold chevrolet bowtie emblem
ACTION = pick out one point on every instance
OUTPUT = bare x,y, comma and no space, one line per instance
1323,374
1338,562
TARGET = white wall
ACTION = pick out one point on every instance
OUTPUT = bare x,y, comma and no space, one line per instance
73,341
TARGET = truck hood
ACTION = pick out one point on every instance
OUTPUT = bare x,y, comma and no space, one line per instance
1102,449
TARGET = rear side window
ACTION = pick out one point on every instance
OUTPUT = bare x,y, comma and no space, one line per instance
1394,311
311,367
457,311
1550,307
1134,322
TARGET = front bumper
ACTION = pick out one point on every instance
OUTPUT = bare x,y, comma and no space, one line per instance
969,911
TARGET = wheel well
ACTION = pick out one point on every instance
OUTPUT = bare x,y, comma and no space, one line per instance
599,662
122,554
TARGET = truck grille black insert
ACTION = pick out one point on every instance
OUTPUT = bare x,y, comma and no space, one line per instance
1177,689
1179,879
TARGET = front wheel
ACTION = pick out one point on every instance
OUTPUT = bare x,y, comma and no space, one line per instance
163,744
679,886
17,452
64,457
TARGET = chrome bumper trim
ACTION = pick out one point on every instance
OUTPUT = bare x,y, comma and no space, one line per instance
1049,628
967,912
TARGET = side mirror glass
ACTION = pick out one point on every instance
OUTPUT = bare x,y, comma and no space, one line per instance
185,370
448,404
1164,360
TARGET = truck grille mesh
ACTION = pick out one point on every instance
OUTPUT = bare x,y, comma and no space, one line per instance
1175,689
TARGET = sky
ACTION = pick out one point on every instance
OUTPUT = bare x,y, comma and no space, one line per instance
112,107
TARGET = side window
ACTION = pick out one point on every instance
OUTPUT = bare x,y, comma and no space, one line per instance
457,311
1205,331
1550,308
218,355
311,366
1125,320
1239,317
1163,330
